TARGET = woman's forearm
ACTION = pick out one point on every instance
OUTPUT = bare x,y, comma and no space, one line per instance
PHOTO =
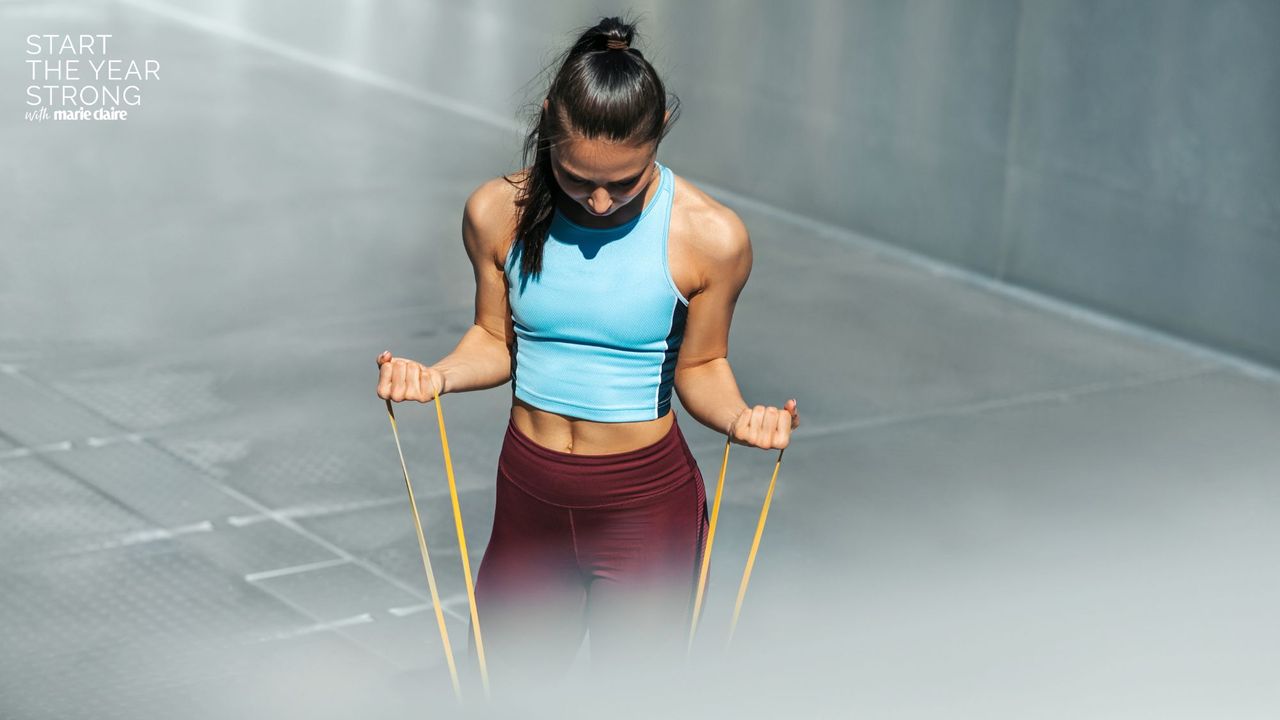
480,361
710,394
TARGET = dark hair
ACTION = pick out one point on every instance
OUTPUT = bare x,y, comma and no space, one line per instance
598,91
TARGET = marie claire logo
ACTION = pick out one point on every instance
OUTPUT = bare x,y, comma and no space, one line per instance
73,77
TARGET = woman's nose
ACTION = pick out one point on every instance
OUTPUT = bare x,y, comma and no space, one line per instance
600,201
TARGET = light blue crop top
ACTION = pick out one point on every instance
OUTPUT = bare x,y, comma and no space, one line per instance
598,332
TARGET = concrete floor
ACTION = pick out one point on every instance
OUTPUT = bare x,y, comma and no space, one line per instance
996,506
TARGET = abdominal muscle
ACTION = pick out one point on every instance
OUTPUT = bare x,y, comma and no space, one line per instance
585,437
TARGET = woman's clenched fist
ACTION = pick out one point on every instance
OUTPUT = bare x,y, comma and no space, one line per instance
404,379
766,427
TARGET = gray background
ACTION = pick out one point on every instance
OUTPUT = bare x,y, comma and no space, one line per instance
1123,156
1011,258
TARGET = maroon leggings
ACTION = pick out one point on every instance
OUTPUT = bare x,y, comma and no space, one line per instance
608,545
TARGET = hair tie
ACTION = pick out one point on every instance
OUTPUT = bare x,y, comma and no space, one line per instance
616,44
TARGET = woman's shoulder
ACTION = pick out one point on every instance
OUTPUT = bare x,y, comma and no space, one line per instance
708,227
491,211
497,195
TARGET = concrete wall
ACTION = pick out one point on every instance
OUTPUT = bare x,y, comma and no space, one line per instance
1123,155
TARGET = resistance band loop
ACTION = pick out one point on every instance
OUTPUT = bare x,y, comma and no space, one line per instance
426,562
462,546
706,553
755,546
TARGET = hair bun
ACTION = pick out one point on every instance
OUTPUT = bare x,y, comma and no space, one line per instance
612,33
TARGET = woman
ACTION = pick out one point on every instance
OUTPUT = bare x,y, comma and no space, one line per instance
603,282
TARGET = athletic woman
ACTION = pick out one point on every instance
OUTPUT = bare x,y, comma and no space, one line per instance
603,283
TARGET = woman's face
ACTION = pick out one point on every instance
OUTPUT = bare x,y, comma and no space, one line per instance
602,176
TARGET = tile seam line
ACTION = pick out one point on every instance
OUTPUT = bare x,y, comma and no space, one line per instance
998,404
1013,127
113,500
1058,306
248,500
45,460
341,632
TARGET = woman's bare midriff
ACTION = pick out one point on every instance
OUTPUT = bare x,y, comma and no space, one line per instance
586,437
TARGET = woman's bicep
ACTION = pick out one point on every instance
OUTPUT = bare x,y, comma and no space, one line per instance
726,259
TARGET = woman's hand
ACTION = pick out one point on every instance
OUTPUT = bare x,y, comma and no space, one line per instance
405,379
767,428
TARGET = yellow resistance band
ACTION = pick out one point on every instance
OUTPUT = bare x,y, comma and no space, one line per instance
755,546
426,562
706,553
462,546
